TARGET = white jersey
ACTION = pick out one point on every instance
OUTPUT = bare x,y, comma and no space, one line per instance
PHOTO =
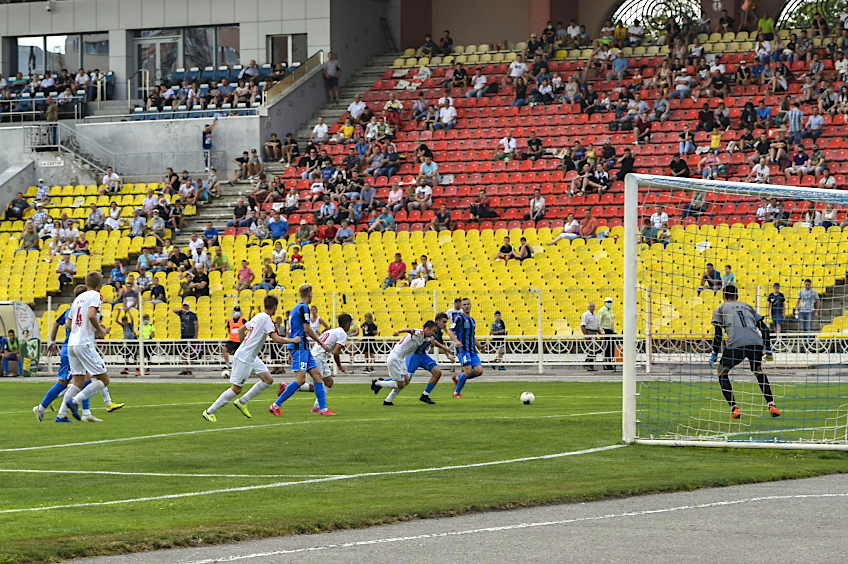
257,329
82,331
331,338
409,344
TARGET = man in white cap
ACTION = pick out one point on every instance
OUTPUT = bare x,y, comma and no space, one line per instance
607,319
43,193
40,216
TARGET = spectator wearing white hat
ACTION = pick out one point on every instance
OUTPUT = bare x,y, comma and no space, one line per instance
607,320
43,193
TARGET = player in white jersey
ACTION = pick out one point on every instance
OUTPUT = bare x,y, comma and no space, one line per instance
396,361
246,361
421,359
336,341
83,357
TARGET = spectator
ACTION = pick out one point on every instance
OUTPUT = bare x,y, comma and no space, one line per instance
332,69
535,150
17,207
697,205
189,328
95,219
111,182
777,304
598,181
423,198
304,234
430,172
589,227
709,165
635,34
520,92
626,162
826,180
274,149
269,279
66,270
239,215
517,69
642,129
220,262
726,24
143,281
130,296
728,278
759,173
537,207
590,324
441,220
807,306
507,252
396,272
10,349
659,219
815,125
525,251
295,259
679,167
796,119
382,222
200,282
829,218
797,163
508,147
478,84
570,231
710,280
687,139
344,235
326,212
447,117
320,133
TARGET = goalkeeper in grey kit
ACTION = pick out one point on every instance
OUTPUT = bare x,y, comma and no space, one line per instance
747,338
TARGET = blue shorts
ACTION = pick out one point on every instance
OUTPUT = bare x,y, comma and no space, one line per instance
64,365
302,360
416,361
468,359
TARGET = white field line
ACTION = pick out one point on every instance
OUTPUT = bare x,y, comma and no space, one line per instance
513,527
161,474
323,420
311,481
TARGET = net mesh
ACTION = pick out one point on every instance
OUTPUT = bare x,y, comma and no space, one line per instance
753,238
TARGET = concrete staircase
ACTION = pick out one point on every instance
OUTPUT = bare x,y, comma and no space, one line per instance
358,83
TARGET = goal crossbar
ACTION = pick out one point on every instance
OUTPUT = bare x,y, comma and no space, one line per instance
632,183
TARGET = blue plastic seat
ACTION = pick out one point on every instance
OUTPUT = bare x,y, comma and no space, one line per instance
178,76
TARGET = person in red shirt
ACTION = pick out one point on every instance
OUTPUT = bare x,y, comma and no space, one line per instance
589,225
330,233
642,129
480,207
397,271
295,259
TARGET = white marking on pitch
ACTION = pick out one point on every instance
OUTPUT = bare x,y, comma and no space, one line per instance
260,426
161,474
314,481
513,527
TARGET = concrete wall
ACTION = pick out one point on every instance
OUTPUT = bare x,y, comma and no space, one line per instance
57,169
481,21
355,34
256,18
148,144
11,146
289,112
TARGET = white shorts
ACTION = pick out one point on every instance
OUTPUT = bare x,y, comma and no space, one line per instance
84,359
242,370
324,366
397,368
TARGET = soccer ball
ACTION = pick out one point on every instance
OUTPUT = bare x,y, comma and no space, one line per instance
225,373
527,398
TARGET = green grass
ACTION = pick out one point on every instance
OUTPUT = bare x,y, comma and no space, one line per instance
488,424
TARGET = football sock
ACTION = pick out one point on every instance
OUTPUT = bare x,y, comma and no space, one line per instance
52,394
291,390
86,411
765,387
107,398
429,389
89,391
392,395
70,392
305,387
222,400
257,389
386,384
321,395
726,389
460,383
326,391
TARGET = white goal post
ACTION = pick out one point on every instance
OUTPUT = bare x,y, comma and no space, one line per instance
678,400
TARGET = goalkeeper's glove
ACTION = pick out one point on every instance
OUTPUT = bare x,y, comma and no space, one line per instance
713,358
769,356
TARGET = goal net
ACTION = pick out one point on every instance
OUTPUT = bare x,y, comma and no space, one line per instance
779,373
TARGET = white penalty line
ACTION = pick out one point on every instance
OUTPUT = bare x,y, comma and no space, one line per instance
513,527
160,474
260,426
312,481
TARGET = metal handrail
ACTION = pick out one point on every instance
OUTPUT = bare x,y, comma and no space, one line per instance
145,86
271,94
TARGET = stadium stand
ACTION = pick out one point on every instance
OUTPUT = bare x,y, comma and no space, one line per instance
570,273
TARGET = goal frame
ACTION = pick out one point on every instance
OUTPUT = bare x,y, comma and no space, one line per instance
632,183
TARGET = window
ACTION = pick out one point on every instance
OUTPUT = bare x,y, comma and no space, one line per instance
31,55
199,47
228,45
56,52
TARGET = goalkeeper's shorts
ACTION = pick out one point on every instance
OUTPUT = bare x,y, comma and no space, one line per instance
732,357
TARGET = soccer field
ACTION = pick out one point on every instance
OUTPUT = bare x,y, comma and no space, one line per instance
156,475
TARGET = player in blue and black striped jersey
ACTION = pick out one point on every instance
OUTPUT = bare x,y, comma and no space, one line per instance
463,334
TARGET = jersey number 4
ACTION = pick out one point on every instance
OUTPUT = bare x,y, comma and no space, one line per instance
78,318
